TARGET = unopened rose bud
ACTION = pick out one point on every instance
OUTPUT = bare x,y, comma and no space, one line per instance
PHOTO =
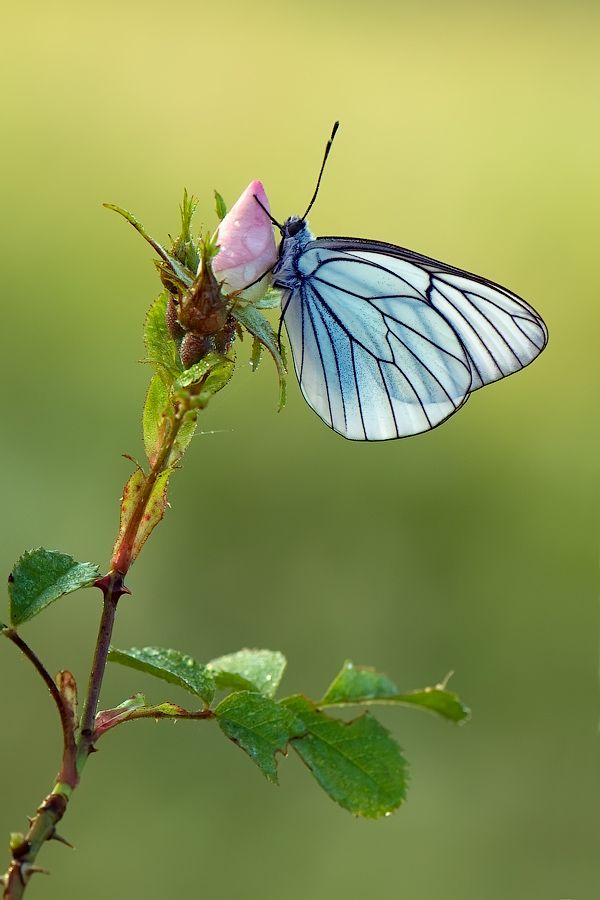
203,309
246,245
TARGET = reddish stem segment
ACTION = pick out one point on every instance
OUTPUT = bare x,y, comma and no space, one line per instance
52,809
113,588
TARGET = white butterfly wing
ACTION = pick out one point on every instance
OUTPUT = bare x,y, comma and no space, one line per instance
374,359
389,343
500,332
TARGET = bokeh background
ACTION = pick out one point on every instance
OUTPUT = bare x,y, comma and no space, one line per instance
469,132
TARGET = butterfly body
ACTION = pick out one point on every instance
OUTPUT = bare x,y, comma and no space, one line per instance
389,343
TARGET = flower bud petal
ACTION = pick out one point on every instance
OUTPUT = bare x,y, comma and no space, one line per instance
246,244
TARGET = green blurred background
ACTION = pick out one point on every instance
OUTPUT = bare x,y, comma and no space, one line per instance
469,132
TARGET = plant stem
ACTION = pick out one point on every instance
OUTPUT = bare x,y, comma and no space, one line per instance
25,848
25,851
113,588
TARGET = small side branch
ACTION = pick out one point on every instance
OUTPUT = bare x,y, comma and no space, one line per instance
68,772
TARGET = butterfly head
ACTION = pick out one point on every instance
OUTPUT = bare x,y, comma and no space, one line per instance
294,237
293,227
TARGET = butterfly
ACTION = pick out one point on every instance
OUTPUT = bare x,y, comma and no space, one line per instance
386,342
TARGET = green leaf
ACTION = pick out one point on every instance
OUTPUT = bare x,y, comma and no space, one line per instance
170,665
184,436
357,684
361,684
252,670
219,370
155,406
254,322
42,576
160,346
156,409
357,763
220,206
220,375
436,700
259,726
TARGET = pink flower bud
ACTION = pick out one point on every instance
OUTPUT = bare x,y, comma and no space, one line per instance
246,245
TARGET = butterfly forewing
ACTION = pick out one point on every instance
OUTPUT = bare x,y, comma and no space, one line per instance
500,331
388,343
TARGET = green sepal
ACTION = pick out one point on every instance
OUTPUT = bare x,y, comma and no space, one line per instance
254,322
161,349
41,576
256,354
153,512
170,665
180,271
259,726
361,685
137,708
357,763
271,299
108,718
186,249
251,670
220,206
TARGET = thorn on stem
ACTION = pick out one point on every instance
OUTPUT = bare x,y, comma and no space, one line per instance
58,837
114,583
27,870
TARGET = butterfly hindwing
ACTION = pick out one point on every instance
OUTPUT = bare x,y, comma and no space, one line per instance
373,358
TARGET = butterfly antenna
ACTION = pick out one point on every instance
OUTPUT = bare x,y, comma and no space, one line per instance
265,210
326,154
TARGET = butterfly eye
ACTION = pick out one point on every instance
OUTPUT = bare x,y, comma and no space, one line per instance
295,228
